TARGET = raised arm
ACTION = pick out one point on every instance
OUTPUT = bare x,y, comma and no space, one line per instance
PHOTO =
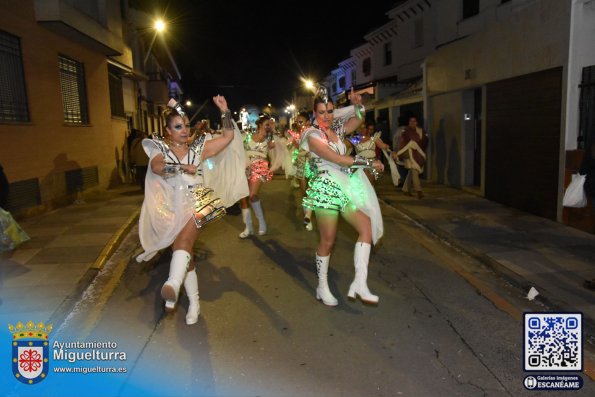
214,146
354,122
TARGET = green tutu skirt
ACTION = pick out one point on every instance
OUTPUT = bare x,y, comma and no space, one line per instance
324,193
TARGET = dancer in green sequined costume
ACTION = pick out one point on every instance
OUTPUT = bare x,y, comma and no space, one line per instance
340,186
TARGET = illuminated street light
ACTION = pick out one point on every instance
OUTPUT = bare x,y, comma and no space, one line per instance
159,27
188,103
309,84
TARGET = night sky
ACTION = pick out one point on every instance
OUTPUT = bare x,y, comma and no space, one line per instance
255,52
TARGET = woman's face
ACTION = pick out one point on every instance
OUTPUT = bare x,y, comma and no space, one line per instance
324,114
263,127
178,129
301,122
361,129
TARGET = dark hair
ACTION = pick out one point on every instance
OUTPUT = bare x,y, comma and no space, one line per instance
169,114
370,123
318,100
262,119
304,114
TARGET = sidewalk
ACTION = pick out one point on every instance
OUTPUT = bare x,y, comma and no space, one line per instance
528,250
42,277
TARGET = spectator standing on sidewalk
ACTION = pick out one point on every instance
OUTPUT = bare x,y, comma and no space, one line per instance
395,148
139,159
180,195
341,187
11,234
412,147
3,188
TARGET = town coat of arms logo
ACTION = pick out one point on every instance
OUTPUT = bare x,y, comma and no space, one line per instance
30,351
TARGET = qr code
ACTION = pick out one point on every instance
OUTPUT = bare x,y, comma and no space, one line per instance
553,342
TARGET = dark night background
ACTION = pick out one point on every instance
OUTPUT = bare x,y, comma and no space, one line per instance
255,52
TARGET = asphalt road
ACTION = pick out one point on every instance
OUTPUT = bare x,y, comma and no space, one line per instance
445,325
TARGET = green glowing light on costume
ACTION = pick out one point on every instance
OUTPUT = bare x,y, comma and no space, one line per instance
325,193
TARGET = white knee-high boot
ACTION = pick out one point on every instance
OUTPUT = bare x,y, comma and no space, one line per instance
323,292
177,272
247,218
359,286
262,225
191,287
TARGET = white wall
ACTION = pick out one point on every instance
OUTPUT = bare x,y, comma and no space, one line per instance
534,38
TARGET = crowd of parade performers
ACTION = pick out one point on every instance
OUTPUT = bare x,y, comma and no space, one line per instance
192,179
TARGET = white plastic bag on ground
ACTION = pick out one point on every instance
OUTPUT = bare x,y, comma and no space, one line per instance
575,196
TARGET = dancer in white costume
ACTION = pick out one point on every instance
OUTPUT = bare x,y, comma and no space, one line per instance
187,187
365,146
341,187
302,171
257,146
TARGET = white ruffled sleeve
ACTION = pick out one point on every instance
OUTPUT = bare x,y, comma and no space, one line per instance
225,172
311,133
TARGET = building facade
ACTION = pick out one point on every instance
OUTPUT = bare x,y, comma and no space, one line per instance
502,94
70,92
505,88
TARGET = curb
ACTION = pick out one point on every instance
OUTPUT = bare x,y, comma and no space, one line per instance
115,241
512,277
69,302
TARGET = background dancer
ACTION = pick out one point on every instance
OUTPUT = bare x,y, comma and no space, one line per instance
365,146
257,146
302,122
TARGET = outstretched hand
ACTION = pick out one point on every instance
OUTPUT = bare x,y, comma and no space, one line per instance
356,99
220,102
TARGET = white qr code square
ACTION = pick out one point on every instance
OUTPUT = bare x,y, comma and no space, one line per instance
553,342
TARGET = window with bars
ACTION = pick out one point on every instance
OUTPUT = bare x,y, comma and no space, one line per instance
116,93
74,93
13,94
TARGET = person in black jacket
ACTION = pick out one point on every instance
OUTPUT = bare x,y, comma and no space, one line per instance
3,188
